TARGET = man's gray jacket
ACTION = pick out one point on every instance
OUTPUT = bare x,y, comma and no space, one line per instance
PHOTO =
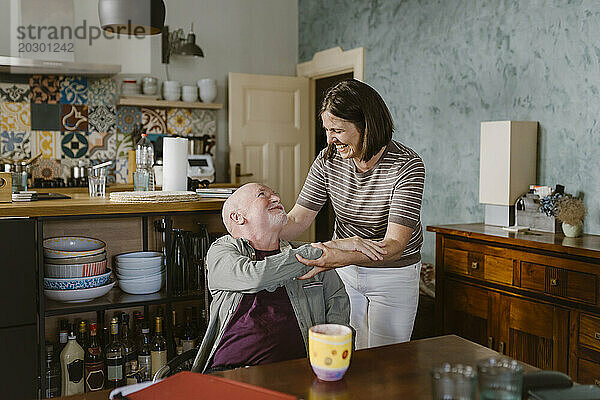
234,271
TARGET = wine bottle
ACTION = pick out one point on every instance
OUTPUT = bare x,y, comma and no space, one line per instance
115,362
94,362
82,334
128,344
71,362
188,336
158,349
144,353
52,378
63,336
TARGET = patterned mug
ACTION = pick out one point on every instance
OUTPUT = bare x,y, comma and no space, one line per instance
330,349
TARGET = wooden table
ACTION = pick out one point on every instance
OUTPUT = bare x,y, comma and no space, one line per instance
388,372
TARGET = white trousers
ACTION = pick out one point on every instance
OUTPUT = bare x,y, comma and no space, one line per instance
383,303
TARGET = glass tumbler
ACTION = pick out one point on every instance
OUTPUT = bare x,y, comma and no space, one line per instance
453,382
97,182
500,378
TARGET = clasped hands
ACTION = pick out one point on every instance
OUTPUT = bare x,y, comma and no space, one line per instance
341,252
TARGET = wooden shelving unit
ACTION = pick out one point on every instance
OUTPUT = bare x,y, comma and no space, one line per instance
140,101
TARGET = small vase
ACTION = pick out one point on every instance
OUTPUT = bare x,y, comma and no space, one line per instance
572,230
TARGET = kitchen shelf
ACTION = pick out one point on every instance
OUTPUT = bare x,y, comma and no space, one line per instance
137,101
114,299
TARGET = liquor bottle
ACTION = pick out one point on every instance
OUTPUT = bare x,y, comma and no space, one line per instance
63,336
82,334
144,354
130,354
94,362
158,349
136,326
53,382
71,362
105,337
188,336
135,376
174,337
115,362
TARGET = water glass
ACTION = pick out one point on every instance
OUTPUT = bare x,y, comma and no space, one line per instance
97,182
453,382
19,181
141,180
500,378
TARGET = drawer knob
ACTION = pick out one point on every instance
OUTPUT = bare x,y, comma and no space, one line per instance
490,342
597,382
597,335
474,265
554,282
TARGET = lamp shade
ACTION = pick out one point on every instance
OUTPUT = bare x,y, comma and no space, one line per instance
507,161
132,17
190,48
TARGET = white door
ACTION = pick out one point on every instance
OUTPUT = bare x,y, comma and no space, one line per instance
269,135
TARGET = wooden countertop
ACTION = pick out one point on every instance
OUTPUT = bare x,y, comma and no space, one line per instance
583,246
82,204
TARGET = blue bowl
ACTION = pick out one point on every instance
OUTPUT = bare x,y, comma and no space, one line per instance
86,282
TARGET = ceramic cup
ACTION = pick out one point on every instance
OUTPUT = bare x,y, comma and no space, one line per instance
189,93
208,90
330,348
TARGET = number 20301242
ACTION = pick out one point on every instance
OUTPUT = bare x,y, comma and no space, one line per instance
46,47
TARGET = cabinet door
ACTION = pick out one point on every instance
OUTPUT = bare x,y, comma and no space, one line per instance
467,312
18,348
18,285
535,333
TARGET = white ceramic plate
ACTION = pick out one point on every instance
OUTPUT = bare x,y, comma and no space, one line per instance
72,246
79,295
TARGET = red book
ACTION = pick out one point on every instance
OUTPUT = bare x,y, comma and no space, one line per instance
190,385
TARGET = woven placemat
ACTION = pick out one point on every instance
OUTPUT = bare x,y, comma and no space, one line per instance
153,197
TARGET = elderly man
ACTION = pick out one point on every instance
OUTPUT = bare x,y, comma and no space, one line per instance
260,312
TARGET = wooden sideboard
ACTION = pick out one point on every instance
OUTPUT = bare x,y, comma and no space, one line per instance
532,296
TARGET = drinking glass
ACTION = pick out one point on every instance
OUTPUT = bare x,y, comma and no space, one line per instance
97,182
500,378
141,180
453,382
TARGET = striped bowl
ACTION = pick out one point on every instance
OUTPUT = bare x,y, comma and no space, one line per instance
77,283
74,270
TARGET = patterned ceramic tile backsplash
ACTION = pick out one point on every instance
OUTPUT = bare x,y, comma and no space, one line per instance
69,119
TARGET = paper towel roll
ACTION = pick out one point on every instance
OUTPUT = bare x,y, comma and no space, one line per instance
175,163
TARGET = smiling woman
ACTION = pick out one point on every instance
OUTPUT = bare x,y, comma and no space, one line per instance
375,185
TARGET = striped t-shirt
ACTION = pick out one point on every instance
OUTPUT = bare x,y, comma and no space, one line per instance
365,202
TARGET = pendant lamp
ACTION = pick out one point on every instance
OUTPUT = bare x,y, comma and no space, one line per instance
132,17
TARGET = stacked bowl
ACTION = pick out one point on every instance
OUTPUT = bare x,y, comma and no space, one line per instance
140,272
75,269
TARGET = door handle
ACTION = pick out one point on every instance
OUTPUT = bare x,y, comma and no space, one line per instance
238,171
501,348
490,342
553,282
474,265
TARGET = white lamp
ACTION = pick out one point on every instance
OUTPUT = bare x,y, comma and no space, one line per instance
507,166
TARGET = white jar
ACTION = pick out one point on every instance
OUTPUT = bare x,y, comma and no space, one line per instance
208,90
189,93
150,85
171,90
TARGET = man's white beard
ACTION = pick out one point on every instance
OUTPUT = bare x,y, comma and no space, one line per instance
278,219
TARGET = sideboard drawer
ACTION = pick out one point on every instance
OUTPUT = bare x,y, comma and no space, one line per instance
589,332
456,261
589,372
573,285
479,265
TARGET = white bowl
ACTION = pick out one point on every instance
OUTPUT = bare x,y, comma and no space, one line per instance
139,273
72,246
139,265
137,255
74,270
79,295
141,287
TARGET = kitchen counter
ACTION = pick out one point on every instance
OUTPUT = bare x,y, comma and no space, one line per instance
81,204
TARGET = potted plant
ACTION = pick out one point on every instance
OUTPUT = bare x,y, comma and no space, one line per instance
571,211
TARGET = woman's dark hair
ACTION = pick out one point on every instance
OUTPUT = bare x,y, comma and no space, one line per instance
359,103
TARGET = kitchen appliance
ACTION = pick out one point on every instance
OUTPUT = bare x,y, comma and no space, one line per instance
201,167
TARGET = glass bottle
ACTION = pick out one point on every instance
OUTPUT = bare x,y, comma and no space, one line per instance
52,377
158,349
115,362
144,353
71,362
82,334
178,264
94,362
188,336
144,160
130,354
63,336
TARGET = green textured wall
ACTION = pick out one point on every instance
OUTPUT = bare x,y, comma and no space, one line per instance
444,66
